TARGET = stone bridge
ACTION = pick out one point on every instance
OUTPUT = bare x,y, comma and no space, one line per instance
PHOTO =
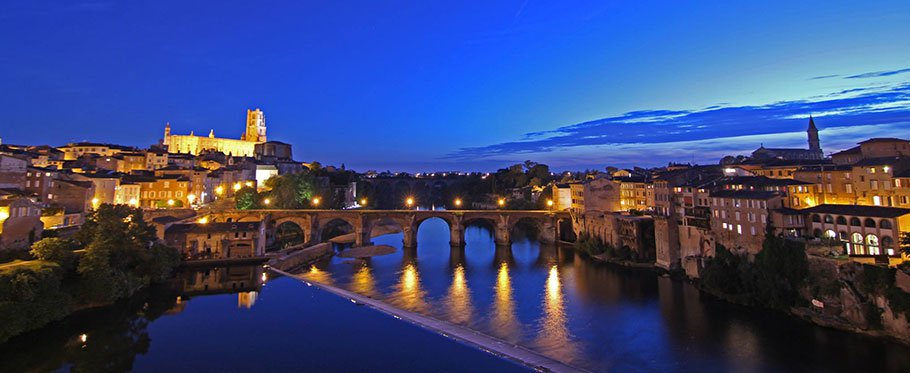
314,222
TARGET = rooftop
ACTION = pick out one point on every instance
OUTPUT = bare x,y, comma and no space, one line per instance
859,210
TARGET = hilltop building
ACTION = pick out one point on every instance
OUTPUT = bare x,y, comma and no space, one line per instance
244,147
793,154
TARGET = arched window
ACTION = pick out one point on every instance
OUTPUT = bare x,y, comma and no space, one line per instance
816,218
884,224
858,248
869,223
872,243
855,222
817,233
829,219
830,234
841,220
887,242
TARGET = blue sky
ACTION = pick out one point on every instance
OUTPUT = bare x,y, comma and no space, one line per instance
407,85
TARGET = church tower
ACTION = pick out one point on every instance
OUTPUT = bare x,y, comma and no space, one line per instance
814,144
255,126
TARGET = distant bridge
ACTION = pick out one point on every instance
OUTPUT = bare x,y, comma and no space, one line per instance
314,222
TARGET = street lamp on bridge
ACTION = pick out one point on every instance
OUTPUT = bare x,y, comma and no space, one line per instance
409,202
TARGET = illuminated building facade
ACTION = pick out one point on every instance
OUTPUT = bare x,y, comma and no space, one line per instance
245,146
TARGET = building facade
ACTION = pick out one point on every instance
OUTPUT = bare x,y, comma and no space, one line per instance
195,145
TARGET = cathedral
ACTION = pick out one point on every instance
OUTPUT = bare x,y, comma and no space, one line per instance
792,154
245,146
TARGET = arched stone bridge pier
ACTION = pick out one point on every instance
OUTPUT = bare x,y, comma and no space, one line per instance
314,222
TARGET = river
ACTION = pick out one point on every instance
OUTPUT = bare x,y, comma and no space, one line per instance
546,298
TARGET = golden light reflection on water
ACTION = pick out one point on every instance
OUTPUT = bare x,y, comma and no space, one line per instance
504,322
458,301
318,275
410,296
553,338
363,282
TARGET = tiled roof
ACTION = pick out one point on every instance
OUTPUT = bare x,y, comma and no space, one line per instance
858,210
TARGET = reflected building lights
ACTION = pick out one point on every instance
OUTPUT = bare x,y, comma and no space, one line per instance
247,299
318,275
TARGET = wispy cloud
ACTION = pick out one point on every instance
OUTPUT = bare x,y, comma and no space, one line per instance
663,135
877,74
824,77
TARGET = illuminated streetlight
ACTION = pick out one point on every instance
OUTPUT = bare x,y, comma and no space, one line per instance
549,203
501,202
171,202
315,201
363,201
191,197
83,338
237,186
249,184
266,201
203,220
134,202
409,202
219,190
95,202
457,202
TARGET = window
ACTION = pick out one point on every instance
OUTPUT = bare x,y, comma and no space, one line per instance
752,230
872,243
877,200
858,248
848,188
854,221
841,220
869,223
739,228
817,233
829,219
842,235
816,218
884,224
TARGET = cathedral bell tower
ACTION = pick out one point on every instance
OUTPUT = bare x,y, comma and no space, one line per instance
255,126
814,143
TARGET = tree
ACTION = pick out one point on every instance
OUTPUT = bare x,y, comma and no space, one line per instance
246,198
57,250
120,256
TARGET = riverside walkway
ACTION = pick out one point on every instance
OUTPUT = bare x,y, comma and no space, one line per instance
459,333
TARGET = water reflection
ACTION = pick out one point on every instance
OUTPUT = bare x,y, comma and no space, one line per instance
363,281
458,301
318,275
504,322
409,294
553,337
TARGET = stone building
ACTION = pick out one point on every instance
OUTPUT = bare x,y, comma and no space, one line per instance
218,240
740,217
20,221
865,232
813,153
195,145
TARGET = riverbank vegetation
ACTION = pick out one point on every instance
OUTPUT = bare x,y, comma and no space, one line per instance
773,279
119,256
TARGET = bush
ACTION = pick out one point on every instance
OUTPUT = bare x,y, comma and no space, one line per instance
30,297
727,274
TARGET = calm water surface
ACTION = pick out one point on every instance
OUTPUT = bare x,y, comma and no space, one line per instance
593,315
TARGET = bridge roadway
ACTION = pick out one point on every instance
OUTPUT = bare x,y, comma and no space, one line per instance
314,222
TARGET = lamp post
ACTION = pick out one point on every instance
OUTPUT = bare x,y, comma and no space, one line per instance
315,201
501,203
409,202
549,204
458,203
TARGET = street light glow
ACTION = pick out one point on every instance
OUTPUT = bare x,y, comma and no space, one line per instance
363,201
315,201
458,202
219,190
501,202
266,201
170,202
409,201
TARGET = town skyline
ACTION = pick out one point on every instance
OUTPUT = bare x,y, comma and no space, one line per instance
463,87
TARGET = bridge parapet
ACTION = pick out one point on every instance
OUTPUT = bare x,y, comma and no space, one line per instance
314,222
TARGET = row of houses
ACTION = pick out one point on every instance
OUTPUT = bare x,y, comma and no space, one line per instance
857,202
